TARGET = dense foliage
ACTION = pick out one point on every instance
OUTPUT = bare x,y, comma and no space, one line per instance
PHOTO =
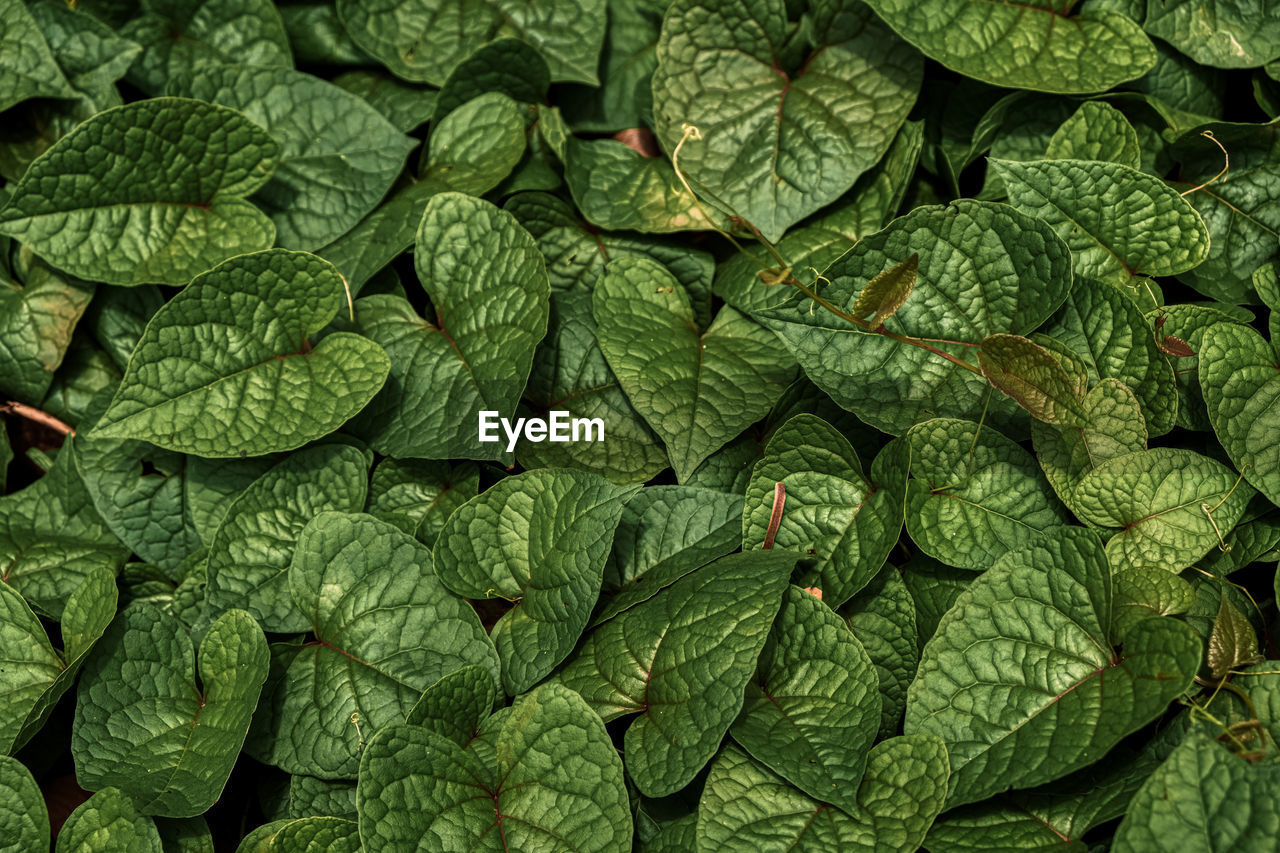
936,346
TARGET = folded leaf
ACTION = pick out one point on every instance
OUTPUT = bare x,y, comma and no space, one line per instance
227,367
538,539
1014,680
161,200
1028,373
160,724
543,772
681,660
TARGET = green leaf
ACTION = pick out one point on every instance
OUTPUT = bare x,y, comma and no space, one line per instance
161,199
1096,131
159,724
119,316
934,588
745,807
538,539
36,323
777,139
973,495
338,155
664,534
488,285
1239,207
476,145
1218,33
1162,235
24,820
1140,592
813,245
570,375
984,269
1208,798
1014,679
1153,504
27,66
384,234
424,40
36,675
213,484
309,796
385,630
886,293
509,66
1038,45
186,389
417,496
543,773
184,35
253,546
813,709
1232,642
406,107
52,538
843,522
1240,380
883,619
1113,426
456,705
1030,375
1104,327
624,98
317,36
681,661
697,389
108,821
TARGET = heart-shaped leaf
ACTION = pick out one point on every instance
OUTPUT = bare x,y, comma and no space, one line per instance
539,539
163,198
159,723
257,384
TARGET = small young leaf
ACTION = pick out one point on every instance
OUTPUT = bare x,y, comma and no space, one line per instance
1232,642
887,292
1036,380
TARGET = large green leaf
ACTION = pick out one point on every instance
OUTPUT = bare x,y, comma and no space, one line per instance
843,521
542,776
24,819
1014,680
183,35
1113,427
508,66
418,496
338,155
35,674
423,40
27,66
813,709
1240,379
1161,233
407,107
779,135
1036,45
973,495
159,724
52,538
160,199
250,552
108,821
747,809
227,367
540,540
1165,507
37,319
1208,799
681,661
1218,33
385,630
664,534
312,834
697,389
476,145
488,285
385,233
570,375
1101,325
984,269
